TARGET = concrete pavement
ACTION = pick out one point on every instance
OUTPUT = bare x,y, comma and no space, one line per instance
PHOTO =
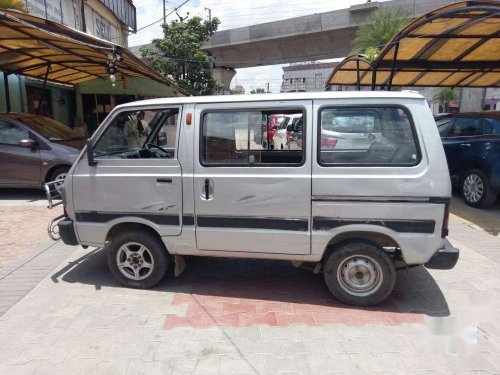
227,316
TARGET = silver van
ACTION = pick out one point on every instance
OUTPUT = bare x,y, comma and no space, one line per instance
166,178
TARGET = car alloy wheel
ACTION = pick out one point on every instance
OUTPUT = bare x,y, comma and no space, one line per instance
135,261
473,188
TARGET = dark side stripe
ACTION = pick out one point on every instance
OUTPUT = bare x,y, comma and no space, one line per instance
402,226
301,225
104,217
187,219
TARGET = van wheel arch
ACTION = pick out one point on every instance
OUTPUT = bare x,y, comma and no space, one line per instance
378,239
129,227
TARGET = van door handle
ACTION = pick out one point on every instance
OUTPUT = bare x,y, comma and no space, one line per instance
465,145
164,180
207,187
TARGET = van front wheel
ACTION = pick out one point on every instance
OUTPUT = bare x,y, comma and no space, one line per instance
359,273
137,259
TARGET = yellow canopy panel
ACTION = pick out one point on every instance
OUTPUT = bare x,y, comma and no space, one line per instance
43,49
457,45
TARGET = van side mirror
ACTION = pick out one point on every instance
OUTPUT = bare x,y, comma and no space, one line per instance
90,154
28,143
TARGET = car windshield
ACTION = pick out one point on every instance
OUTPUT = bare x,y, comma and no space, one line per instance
52,130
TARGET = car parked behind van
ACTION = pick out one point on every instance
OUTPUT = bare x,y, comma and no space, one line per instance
356,213
472,145
35,150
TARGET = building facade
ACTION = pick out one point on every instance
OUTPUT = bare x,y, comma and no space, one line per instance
306,77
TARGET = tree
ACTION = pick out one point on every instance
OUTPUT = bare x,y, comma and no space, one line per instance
238,89
384,24
259,90
13,4
444,97
178,54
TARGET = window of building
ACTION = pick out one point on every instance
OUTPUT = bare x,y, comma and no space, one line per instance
139,135
252,138
318,80
367,136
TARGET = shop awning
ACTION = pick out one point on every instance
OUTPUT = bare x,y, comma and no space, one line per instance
454,46
43,49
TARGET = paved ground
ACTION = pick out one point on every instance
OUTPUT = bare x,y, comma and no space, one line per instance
23,222
256,317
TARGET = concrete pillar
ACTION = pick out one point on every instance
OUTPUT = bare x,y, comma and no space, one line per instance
472,99
224,75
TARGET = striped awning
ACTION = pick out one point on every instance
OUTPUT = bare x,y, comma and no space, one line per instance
454,46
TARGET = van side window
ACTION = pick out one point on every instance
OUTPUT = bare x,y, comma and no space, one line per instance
252,138
367,136
142,134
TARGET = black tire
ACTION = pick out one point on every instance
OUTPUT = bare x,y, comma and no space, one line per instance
156,252
488,197
56,174
370,257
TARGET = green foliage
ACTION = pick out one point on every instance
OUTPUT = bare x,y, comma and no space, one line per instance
258,91
178,54
385,23
238,89
372,53
13,4
444,97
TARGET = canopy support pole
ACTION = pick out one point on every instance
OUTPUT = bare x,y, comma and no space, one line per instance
393,66
358,83
374,78
7,92
46,76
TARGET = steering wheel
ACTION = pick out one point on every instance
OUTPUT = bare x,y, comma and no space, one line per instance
149,146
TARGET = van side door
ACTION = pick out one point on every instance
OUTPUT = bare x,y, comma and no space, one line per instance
251,197
137,176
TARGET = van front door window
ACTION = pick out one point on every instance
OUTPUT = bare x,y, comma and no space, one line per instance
143,134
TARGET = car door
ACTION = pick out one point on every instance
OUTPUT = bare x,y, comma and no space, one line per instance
460,140
19,166
249,198
132,180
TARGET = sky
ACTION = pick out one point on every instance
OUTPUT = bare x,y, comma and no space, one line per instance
233,14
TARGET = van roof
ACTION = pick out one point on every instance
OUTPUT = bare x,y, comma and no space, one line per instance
277,97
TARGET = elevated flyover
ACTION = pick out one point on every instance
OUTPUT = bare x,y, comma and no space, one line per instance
313,37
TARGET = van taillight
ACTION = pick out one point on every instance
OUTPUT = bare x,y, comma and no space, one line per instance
327,142
444,230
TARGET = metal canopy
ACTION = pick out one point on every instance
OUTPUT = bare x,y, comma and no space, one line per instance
454,46
43,49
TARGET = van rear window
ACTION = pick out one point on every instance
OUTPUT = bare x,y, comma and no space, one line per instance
252,138
373,136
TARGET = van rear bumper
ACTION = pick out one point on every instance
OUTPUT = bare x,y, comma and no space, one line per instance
444,258
67,232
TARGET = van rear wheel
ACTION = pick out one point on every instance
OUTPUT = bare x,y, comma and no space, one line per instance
137,259
359,273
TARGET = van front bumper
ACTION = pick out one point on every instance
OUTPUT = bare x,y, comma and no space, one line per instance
444,258
67,231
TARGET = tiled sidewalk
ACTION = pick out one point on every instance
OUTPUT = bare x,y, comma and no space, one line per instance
257,317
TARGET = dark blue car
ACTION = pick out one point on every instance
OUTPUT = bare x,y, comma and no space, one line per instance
472,145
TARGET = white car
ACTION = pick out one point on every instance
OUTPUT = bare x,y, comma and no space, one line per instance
280,138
